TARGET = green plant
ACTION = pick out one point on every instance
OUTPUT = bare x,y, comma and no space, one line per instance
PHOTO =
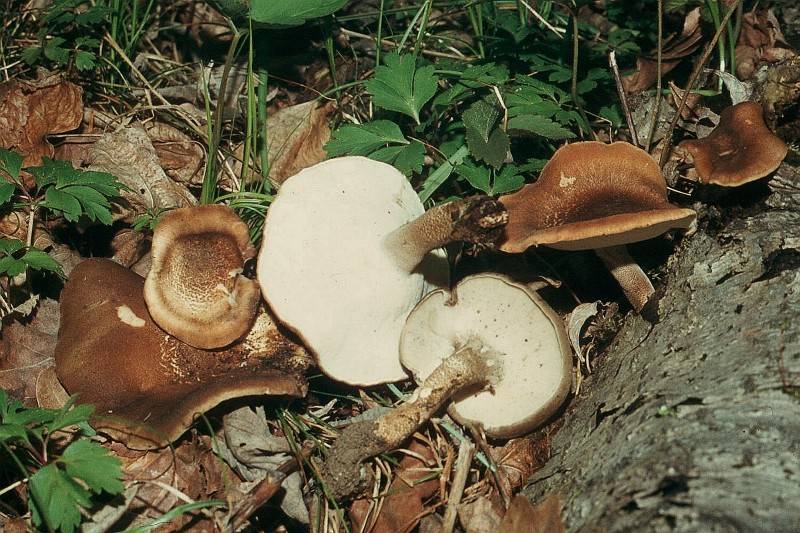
59,190
66,34
64,470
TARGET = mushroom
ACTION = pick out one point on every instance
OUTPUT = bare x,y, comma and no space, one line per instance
739,150
490,332
592,195
147,385
195,290
347,254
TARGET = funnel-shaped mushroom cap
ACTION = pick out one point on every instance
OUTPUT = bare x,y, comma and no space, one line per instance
507,319
325,270
741,148
592,195
195,290
147,385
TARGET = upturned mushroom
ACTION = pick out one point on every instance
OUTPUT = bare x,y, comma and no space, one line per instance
196,290
347,254
598,196
739,150
147,385
493,345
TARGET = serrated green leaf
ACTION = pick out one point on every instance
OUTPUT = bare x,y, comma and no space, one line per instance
55,498
481,117
84,60
6,191
54,52
541,126
12,267
13,431
291,12
94,465
407,158
31,54
477,176
363,139
507,180
10,246
39,260
545,108
10,162
93,15
486,142
400,86
65,203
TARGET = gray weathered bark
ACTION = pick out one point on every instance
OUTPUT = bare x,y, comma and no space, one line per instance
695,425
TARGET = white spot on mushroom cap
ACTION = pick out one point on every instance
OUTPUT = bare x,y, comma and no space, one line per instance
566,181
127,316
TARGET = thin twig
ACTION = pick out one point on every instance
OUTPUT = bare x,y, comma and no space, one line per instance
574,84
623,99
657,103
690,84
463,462
392,44
558,31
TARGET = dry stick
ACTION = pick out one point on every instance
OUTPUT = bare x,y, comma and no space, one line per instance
390,43
657,104
463,462
623,100
574,84
692,80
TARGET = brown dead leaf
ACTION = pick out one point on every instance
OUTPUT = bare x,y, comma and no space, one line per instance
520,458
182,159
26,348
13,525
402,507
131,157
760,41
128,246
31,110
191,467
674,49
14,225
296,137
50,394
523,517
479,516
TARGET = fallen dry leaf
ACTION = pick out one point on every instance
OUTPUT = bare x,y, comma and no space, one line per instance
129,246
296,137
26,348
674,49
50,394
518,459
14,225
479,516
131,157
402,507
182,159
31,110
760,41
524,517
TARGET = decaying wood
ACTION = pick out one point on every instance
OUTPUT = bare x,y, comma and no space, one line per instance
695,424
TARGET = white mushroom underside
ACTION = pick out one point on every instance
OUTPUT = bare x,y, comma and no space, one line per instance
325,273
503,317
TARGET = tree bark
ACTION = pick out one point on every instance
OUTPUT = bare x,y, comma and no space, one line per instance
695,424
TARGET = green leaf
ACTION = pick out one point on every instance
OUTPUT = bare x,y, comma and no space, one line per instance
10,162
10,246
400,86
507,180
291,12
407,158
485,141
97,467
13,431
477,176
12,267
69,415
39,260
440,175
31,54
54,52
85,60
363,139
541,126
65,203
54,499
6,191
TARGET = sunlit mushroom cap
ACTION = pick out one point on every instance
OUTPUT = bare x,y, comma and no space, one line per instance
508,319
741,148
326,273
195,289
146,385
592,195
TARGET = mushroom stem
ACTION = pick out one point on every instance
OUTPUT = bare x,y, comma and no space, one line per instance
478,220
630,276
467,367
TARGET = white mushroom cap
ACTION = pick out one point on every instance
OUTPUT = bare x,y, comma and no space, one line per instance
326,273
508,319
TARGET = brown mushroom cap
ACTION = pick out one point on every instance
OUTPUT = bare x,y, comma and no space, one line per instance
592,195
741,148
148,386
195,289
